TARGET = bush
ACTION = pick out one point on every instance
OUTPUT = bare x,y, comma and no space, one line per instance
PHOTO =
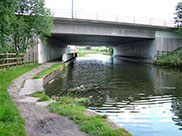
174,59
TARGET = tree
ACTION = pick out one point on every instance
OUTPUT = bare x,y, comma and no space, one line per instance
23,22
34,22
178,18
7,17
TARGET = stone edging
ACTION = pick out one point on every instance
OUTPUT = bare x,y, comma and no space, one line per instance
51,75
34,85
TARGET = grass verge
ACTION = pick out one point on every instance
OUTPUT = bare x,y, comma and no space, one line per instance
48,70
11,123
37,94
44,98
41,95
93,125
83,53
174,59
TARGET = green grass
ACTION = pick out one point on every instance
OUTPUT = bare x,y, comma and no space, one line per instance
41,94
23,84
44,98
93,125
82,51
93,48
47,71
37,94
11,123
174,59
107,53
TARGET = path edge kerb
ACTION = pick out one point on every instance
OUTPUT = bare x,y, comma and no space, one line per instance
32,85
48,77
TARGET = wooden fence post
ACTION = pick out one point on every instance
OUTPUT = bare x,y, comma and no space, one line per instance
7,61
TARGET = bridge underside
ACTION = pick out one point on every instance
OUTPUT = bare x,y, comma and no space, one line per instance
95,40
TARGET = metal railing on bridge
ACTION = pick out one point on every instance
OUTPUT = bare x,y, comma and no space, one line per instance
112,18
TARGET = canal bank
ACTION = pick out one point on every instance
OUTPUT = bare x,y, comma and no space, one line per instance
39,121
171,59
143,99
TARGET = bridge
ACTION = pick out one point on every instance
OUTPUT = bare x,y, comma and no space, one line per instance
129,39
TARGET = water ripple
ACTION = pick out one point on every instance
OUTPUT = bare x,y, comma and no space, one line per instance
145,100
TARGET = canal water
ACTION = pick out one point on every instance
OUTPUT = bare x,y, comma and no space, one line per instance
145,100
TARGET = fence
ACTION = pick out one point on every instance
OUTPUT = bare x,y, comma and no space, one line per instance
162,53
10,59
112,17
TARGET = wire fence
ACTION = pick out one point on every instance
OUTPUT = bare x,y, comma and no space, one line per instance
112,17
162,53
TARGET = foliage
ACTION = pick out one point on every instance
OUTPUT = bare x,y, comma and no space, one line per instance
37,94
111,51
174,59
11,123
29,20
93,125
7,17
44,98
82,51
41,94
33,22
178,18
47,71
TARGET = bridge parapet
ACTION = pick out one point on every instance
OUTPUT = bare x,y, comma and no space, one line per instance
100,28
112,18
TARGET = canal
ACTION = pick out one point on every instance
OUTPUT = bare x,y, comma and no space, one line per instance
143,99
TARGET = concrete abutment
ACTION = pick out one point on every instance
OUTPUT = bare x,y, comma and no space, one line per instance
51,50
147,50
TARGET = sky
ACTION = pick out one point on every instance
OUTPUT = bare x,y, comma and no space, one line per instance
158,9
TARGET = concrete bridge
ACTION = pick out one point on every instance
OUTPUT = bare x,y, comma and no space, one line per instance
128,39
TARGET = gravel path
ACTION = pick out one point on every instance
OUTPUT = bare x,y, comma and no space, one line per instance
38,120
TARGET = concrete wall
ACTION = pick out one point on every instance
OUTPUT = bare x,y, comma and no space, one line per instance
167,41
53,49
141,50
147,50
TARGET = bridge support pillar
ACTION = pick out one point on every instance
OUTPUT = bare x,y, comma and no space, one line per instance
167,41
147,50
140,51
52,50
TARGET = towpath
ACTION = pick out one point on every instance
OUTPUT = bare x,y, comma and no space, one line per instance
38,120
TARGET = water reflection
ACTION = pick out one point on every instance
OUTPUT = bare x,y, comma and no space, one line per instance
141,98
